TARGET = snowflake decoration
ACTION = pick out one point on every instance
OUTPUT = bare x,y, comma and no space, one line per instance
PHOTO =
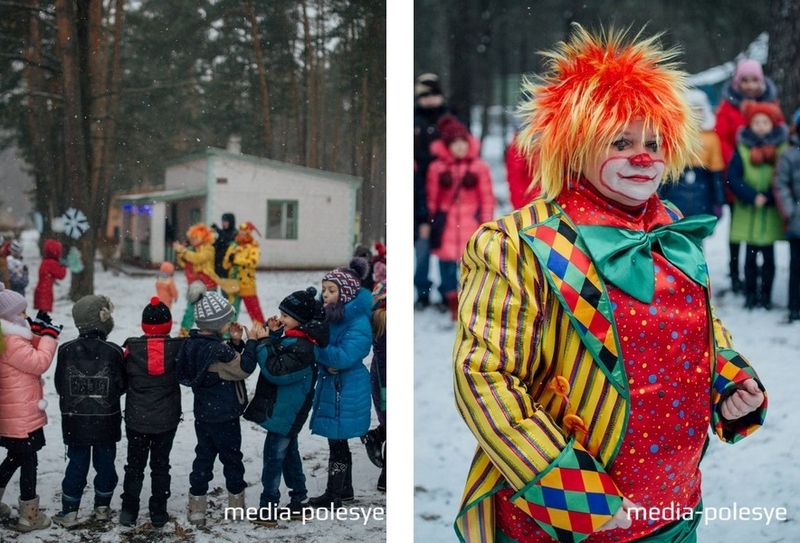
74,223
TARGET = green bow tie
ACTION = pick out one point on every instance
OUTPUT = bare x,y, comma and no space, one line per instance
624,257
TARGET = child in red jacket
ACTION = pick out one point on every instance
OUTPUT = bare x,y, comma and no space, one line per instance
50,270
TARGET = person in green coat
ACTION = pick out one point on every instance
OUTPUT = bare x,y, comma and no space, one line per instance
755,218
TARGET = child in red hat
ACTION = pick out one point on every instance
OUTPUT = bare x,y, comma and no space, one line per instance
755,219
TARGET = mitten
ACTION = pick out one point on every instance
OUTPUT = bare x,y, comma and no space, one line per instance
36,326
52,330
44,317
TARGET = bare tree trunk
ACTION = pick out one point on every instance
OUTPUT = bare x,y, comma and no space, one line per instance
40,124
311,84
784,53
262,81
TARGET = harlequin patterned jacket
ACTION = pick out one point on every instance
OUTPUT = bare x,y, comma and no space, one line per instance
244,260
540,380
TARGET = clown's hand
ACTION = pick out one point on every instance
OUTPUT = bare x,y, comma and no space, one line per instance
621,518
744,401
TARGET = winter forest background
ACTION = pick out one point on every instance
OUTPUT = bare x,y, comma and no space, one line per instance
98,94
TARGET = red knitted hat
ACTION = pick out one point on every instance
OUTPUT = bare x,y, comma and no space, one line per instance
156,318
751,108
451,129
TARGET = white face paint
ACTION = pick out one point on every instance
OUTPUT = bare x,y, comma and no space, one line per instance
630,170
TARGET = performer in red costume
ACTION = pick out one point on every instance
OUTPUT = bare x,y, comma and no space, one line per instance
589,364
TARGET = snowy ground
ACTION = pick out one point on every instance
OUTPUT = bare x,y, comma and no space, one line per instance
760,471
130,295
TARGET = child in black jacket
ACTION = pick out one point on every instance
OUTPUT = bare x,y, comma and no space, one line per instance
90,380
152,412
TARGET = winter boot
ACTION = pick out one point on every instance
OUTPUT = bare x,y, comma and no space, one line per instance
129,511
102,506
127,517
68,516
5,511
337,471
30,518
382,477
373,442
347,488
236,500
765,298
158,512
197,510
451,299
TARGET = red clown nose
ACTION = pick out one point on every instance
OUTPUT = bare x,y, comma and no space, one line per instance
642,160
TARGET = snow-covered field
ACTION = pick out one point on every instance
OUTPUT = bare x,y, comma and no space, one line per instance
763,470
130,295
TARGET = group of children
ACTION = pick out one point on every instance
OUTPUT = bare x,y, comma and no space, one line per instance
310,358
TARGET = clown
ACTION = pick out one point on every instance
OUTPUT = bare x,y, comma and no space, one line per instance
241,260
198,262
585,317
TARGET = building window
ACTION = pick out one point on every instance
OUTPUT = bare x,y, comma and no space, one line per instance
281,219
195,216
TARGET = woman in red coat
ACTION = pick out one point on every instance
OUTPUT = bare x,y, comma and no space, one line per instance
460,198
50,270
748,83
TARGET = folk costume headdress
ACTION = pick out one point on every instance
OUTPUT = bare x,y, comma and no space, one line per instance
594,85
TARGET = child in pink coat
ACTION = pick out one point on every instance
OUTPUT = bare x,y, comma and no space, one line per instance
29,349
460,199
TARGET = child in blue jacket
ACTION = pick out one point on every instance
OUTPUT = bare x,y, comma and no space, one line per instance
287,357
342,401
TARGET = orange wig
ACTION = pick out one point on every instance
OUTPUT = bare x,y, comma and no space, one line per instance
202,232
593,87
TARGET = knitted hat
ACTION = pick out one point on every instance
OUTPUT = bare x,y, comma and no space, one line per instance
748,67
379,295
15,249
211,311
302,305
427,85
700,104
348,279
11,304
750,108
93,313
451,129
156,318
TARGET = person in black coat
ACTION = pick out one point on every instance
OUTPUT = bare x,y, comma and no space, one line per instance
152,412
90,380
430,107
225,237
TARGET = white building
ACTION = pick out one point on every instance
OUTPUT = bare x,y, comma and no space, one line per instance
307,218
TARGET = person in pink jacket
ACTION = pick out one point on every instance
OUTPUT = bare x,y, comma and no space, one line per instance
460,198
29,349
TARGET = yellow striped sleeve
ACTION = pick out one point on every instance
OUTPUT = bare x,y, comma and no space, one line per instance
495,355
